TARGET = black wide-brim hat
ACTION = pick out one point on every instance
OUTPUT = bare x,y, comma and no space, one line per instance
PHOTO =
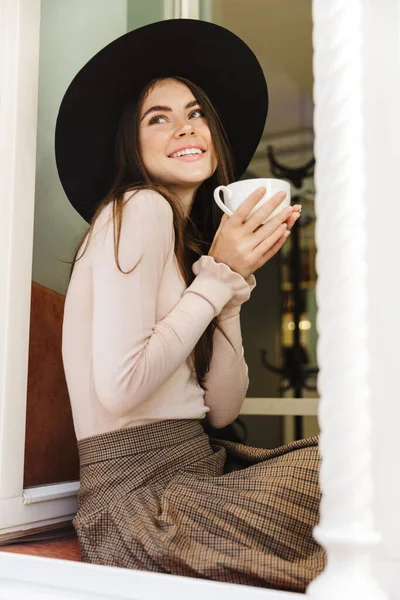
209,55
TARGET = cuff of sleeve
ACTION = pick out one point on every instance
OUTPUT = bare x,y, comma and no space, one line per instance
232,308
217,283
251,282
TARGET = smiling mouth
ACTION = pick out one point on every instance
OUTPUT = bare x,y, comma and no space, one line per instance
188,157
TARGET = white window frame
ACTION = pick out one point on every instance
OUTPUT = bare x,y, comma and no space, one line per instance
35,577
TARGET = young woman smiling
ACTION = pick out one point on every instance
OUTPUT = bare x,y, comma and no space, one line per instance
151,337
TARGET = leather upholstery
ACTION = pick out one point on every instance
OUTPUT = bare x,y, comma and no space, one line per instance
51,453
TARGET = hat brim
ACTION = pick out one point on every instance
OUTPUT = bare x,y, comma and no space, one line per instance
211,56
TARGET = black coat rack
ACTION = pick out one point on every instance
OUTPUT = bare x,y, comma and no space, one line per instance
295,359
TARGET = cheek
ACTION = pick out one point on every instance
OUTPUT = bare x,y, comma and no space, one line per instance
206,134
213,156
149,146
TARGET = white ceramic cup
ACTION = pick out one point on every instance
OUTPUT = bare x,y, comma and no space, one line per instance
235,193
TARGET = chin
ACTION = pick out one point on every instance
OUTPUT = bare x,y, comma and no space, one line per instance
194,178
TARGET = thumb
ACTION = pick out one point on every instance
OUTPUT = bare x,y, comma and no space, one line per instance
224,219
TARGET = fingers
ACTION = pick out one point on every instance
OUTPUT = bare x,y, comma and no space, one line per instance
262,213
292,219
222,222
242,212
268,242
264,231
275,248
279,243
285,216
225,218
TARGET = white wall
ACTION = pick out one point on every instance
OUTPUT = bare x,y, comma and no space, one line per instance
382,116
142,13
70,34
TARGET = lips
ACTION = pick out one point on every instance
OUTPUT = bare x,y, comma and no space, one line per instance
186,148
188,157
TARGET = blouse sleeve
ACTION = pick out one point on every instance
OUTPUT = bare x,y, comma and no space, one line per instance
133,355
227,380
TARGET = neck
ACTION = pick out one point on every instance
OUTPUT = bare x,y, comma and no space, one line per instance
186,196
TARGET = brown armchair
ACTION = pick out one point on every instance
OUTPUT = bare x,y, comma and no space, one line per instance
51,454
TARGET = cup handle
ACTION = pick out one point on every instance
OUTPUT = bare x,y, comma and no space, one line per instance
218,200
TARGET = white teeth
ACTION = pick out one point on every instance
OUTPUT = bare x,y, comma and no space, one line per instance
187,151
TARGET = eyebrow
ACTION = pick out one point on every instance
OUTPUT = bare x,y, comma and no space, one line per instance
167,108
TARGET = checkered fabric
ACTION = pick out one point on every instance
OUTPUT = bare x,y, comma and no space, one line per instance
165,497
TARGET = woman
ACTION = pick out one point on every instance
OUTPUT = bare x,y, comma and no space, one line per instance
151,337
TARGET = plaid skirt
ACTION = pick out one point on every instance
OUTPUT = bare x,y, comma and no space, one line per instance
165,497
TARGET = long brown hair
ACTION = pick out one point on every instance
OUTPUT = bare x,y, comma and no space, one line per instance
194,236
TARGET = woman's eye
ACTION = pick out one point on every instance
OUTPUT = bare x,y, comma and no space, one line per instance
155,118
198,110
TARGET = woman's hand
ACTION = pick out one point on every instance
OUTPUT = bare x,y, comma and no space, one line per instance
290,221
245,246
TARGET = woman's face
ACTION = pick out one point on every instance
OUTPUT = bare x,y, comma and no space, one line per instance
172,120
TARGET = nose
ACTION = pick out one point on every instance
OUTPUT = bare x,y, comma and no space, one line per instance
184,128
184,133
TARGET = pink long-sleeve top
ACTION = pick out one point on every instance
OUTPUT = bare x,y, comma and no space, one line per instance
127,338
